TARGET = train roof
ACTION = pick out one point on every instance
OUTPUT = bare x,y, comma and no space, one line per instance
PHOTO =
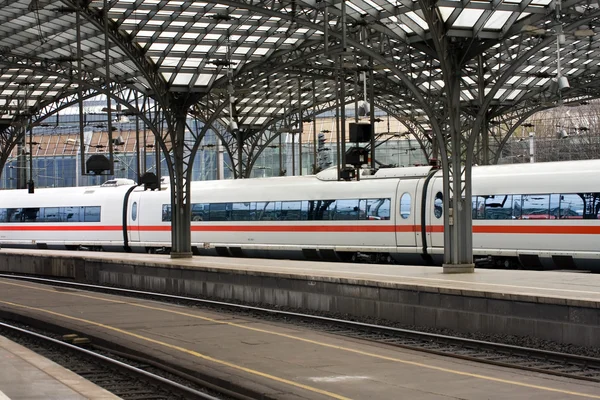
546,168
561,172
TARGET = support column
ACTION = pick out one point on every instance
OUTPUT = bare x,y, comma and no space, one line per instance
239,140
458,254
180,192
485,128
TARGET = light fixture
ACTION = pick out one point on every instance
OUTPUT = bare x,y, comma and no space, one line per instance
363,108
232,126
563,134
122,119
563,82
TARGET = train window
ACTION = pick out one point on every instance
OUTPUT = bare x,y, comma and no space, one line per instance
71,214
92,214
304,211
166,213
405,206
242,211
378,209
571,206
29,214
535,206
134,211
362,209
326,209
591,203
13,215
496,207
478,207
265,211
51,214
554,209
290,210
346,210
320,210
199,211
438,205
220,211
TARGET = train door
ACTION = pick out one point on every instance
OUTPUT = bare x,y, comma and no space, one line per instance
133,217
435,214
407,214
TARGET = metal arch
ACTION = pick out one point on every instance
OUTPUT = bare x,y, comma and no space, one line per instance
272,127
506,75
158,86
511,130
50,108
366,51
424,89
117,87
415,129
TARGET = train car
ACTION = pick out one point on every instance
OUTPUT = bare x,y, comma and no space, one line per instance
543,215
65,218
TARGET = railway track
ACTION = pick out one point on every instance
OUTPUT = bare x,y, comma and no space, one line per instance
518,357
129,380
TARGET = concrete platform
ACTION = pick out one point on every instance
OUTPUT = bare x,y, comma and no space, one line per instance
274,360
26,375
560,306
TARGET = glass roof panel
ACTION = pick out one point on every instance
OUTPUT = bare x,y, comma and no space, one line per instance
497,19
445,12
171,61
182,79
203,79
412,15
158,46
374,5
181,47
513,94
201,48
355,7
523,15
543,81
467,18
193,36
192,62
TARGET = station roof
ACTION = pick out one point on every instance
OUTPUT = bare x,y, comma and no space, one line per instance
277,56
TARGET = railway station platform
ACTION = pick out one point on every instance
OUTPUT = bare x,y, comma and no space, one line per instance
561,306
273,360
25,375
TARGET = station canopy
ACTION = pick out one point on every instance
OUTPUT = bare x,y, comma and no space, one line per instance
277,57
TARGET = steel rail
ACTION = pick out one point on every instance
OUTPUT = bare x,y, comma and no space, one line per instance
121,365
505,355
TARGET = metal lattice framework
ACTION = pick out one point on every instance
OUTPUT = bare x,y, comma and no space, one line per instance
447,69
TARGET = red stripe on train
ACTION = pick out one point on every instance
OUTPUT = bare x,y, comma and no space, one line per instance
537,229
51,228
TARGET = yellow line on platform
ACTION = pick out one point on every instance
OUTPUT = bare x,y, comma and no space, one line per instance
184,350
346,349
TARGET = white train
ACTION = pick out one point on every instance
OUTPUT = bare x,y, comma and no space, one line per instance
542,215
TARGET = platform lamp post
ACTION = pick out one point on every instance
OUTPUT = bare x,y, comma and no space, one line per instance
525,125
30,182
531,140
